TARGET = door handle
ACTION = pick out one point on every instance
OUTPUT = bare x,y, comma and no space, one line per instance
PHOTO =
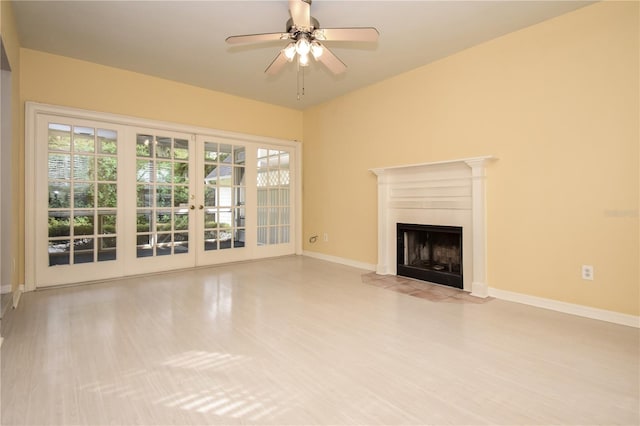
192,207
200,207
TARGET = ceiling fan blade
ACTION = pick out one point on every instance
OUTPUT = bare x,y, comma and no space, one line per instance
347,34
331,61
256,38
300,13
277,64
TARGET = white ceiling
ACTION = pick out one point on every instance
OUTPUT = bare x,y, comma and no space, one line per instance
184,40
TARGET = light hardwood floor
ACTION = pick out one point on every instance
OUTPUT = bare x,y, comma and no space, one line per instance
297,340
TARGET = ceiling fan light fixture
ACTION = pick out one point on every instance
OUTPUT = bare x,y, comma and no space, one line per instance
303,60
303,46
290,51
316,49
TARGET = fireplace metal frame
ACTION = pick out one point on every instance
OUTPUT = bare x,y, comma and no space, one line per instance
440,277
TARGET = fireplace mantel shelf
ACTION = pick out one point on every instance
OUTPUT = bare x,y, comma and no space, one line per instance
380,170
448,193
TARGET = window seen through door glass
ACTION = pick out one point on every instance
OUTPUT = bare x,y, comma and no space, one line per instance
224,196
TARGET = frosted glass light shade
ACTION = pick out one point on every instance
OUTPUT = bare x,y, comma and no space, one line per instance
316,49
303,46
290,51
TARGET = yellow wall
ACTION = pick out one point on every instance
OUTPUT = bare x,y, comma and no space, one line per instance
12,48
64,81
557,102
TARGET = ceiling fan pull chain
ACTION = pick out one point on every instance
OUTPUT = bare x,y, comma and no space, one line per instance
300,81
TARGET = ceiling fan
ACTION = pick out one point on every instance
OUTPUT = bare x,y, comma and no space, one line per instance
305,37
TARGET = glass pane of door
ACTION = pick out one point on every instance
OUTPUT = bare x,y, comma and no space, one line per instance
274,200
224,196
162,195
82,194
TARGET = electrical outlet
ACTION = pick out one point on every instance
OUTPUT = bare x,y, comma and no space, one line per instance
326,237
587,272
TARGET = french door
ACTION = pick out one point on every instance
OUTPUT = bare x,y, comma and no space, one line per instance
164,201
244,200
77,201
115,199
224,169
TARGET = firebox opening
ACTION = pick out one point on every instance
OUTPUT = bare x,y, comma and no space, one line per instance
430,253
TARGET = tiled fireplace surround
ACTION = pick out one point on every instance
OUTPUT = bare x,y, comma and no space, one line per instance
449,193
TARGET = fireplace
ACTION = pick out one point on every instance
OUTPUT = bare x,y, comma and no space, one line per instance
430,253
445,194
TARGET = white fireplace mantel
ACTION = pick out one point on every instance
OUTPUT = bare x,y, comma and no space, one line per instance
450,193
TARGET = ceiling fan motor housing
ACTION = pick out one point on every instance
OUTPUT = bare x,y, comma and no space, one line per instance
294,31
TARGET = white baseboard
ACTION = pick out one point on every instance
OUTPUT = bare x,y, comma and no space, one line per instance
340,260
5,288
567,308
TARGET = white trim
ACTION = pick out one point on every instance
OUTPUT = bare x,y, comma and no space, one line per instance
479,286
298,192
29,199
17,294
567,308
340,260
383,267
6,288
34,108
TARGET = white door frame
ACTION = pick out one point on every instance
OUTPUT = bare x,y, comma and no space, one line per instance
33,109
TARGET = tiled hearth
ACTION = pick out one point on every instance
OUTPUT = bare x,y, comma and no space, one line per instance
421,289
